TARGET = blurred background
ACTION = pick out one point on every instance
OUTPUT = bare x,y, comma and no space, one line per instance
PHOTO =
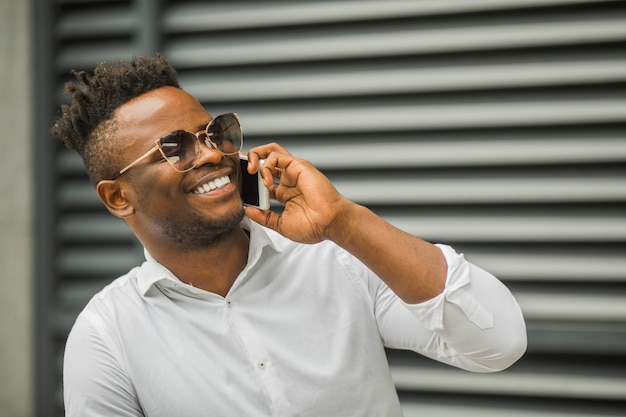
498,127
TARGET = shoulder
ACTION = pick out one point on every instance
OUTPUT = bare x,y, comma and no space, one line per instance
116,292
107,304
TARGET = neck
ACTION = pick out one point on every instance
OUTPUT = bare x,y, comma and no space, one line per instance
212,269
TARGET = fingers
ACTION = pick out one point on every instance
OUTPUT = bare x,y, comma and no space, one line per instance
264,151
272,153
275,160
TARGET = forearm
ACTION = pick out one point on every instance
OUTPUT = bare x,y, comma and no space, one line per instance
413,268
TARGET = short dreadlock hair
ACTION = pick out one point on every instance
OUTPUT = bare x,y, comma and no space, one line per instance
86,123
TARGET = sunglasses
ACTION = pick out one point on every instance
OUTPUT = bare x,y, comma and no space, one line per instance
181,148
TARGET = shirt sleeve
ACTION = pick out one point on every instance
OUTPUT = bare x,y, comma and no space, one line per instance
94,381
474,324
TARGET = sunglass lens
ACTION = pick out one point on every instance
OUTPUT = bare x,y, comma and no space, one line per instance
179,148
225,132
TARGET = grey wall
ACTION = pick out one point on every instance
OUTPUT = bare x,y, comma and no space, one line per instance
495,126
15,210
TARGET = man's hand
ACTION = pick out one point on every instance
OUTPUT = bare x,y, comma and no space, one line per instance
313,206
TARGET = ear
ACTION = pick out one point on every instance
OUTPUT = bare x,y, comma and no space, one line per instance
113,195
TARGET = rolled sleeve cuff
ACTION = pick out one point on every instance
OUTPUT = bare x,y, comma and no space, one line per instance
432,312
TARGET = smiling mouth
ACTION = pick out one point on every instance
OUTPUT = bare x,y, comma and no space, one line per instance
212,185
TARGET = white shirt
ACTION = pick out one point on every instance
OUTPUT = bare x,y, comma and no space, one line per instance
302,332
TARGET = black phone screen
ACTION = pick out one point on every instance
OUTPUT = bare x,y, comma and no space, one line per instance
249,186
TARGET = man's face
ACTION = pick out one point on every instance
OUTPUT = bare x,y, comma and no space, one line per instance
168,207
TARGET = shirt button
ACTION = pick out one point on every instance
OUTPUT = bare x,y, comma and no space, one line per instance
229,303
261,365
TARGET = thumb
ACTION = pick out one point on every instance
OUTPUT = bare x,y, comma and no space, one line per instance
266,218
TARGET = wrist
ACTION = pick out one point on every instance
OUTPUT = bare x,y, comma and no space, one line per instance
347,222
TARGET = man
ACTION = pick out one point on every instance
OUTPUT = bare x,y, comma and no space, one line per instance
241,311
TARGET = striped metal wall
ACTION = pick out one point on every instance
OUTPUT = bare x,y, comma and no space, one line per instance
496,126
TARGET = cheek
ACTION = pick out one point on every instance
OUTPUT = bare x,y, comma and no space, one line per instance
153,186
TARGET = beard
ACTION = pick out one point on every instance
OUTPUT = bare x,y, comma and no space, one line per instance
196,232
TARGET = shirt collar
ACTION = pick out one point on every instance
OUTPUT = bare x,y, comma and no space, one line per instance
151,271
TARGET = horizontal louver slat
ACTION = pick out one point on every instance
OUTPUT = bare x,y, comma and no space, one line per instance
98,22
387,116
196,17
592,308
553,265
357,81
519,383
413,410
399,190
498,227
107,262
375,42
97,228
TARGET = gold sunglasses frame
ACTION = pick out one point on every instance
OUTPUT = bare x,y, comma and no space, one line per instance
208,142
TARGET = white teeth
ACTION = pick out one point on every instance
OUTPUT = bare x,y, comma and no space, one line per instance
212,185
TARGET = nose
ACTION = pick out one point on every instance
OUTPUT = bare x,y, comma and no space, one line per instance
209,154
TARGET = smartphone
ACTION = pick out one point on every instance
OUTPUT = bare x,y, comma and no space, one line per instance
253,192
